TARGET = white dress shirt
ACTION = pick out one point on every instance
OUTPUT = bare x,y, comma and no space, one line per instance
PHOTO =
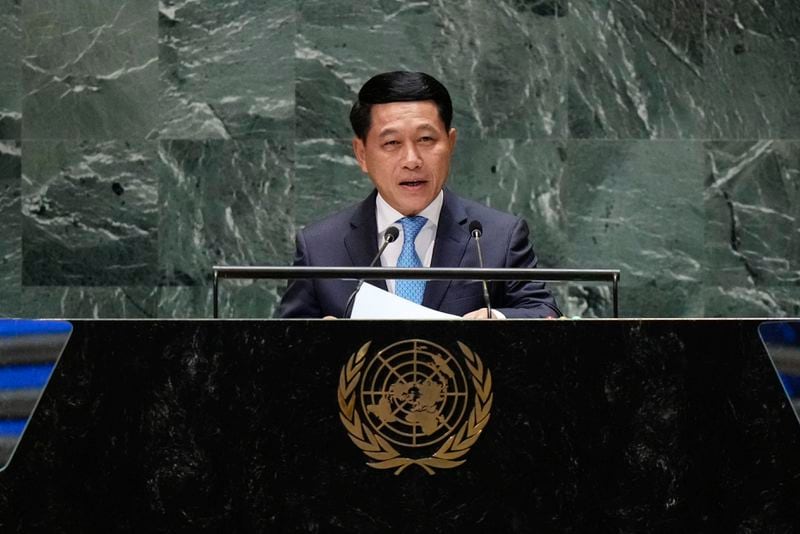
387,216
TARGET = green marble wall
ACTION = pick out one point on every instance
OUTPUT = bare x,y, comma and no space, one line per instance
143,141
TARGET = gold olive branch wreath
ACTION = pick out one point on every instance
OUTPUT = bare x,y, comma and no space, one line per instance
386,456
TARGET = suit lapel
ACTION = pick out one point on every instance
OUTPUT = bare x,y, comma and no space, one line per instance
451,242
361,241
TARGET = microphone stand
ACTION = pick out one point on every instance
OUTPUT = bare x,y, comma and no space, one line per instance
389,236
476,228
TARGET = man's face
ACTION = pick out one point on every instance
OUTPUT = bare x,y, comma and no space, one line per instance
406,153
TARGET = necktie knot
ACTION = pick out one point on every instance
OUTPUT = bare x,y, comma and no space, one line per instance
412,226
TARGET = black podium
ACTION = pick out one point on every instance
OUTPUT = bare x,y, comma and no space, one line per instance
250,426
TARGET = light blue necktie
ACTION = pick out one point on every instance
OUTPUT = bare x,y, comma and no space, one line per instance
412,290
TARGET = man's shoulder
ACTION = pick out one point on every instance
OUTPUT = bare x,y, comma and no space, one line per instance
485,214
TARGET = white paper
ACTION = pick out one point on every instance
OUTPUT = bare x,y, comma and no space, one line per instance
374,303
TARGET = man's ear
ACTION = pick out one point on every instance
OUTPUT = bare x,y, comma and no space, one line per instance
452,135
360,152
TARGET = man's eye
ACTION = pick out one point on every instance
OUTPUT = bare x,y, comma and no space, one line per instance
426,139
391,143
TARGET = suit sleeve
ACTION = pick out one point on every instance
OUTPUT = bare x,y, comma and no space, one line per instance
525,299
300,299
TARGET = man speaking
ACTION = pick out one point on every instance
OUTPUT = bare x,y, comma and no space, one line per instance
404,142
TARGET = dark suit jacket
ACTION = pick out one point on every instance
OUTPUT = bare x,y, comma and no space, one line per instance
350,238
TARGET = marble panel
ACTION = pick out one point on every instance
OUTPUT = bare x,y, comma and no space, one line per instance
752,202
222,202
662,299
238,299
752,67
89,68
327,179
10,159
89,213
10,223
751,301
522,177
636,68
637,206
10,73
75,302
502,61
226,68
576,300
657,300
698,228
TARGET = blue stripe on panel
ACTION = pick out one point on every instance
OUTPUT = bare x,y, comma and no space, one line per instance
24,376
27,327
12,427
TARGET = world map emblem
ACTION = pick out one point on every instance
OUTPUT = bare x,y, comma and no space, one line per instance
414,402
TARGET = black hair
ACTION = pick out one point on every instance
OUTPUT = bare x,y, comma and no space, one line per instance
398,86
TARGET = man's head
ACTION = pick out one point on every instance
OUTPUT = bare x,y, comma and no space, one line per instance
398,86
403,138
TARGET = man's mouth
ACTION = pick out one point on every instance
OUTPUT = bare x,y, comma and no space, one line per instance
413,183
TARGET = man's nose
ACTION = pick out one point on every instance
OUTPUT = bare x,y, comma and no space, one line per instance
411,157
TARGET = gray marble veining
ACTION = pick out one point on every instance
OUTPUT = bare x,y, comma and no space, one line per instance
90,213
226,68
637,205
751,302
90,302
523,177
752,69
502,61
636,69
89,68
10,159
10,223
10,74
327,179
159,138
752,203
222,202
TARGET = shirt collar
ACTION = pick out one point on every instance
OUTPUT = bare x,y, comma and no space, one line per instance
386,215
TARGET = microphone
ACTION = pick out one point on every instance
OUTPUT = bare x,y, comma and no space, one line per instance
389,236
476,230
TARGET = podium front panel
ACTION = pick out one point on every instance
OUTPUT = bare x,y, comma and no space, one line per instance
250,426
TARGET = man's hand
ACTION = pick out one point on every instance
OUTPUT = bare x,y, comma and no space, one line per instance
483,313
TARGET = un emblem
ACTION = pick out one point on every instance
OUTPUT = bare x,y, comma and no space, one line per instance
414,403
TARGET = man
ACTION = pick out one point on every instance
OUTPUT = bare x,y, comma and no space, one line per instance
403,141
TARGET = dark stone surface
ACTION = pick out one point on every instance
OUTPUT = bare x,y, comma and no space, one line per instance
10,69
78,230
752,205
10,223
636,69
223,202
625,426
88,301
90,68
604,123
504,64
226,68
752,69
639,206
